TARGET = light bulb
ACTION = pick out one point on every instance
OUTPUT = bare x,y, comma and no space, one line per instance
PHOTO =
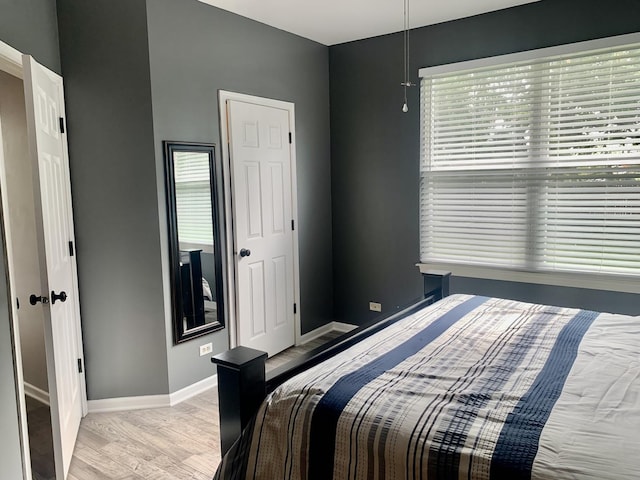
405,109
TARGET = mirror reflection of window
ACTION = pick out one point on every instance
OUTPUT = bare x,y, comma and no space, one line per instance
193,201
195,237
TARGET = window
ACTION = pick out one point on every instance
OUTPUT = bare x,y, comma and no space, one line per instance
193,201
534,165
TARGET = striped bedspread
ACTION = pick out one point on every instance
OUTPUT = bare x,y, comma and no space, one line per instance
468,388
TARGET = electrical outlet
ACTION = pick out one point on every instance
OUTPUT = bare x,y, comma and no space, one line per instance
375,306
206,348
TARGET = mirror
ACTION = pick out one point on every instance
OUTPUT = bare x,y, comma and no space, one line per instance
194,239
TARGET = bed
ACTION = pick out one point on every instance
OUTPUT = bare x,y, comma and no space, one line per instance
469,388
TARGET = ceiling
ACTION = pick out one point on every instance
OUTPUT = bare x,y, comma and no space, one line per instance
336,21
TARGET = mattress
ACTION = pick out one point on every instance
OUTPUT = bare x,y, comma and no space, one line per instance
468,388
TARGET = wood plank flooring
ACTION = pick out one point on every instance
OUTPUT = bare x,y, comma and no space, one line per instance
163,443
293,352
181,442
41,441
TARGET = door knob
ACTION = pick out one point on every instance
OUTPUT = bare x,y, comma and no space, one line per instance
245,252
33,299
62,296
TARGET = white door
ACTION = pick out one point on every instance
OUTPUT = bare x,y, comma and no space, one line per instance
263,225
45,107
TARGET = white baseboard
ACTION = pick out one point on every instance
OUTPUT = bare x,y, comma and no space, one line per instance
193,390
36,393
343,327
324,329
127,403
152,401
313,334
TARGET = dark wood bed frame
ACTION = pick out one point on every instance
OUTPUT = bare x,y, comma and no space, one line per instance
243,383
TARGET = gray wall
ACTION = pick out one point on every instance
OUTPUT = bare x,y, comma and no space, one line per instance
196,50
588,299
30,26
375,148
137,73
105,62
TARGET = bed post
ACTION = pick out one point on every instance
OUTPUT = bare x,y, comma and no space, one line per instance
436,282
241,389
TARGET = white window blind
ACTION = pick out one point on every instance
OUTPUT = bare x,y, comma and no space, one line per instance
193,200
534,165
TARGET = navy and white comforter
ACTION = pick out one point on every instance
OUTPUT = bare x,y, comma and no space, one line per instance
468,388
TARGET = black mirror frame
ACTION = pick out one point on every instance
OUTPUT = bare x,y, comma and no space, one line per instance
174,250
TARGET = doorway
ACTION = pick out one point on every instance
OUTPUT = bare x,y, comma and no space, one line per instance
21,217
261,211
39,251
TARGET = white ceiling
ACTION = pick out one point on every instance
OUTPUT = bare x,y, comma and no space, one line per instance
336,21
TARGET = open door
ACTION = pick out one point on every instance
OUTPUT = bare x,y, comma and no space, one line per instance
54,228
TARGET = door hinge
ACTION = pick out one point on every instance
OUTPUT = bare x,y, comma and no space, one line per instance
18,303
293,224
61,125
295,308
290,138
79,365
71,249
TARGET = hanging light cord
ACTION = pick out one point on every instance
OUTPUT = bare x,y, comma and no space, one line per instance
406,83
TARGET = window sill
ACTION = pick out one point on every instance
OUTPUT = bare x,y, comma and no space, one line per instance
614,283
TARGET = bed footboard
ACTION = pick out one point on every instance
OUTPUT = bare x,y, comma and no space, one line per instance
243,383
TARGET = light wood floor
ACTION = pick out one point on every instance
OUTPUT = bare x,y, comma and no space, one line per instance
181,442
41,441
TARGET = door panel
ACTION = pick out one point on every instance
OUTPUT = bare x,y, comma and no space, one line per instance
254,200
280,291
256,295
262,209
43,94
277,200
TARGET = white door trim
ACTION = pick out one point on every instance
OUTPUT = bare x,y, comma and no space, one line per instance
223,97
10,60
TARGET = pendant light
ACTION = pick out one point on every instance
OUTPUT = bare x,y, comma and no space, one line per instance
407,83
